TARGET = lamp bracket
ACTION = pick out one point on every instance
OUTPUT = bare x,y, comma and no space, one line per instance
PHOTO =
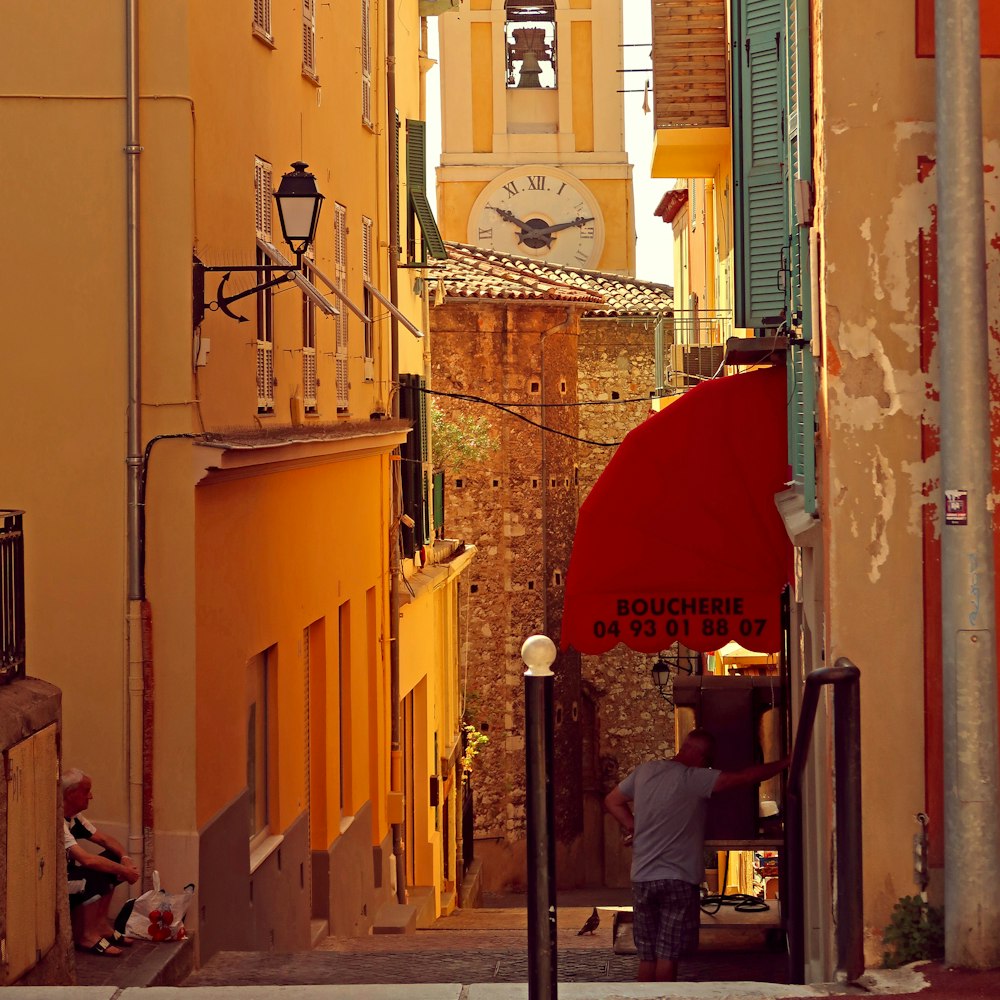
222,301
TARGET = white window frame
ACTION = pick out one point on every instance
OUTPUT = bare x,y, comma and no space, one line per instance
310,381
366,63
309,39
343,333
262,20
367,234
263,179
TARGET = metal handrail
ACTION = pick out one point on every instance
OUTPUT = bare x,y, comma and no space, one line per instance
845,677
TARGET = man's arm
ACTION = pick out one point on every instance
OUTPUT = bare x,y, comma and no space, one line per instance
752,775
87,859
620,807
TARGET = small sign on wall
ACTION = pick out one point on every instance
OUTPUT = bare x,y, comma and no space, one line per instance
956,506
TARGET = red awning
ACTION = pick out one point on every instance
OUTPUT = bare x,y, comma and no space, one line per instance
680,538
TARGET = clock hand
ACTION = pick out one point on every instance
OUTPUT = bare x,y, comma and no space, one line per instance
578,221
510,217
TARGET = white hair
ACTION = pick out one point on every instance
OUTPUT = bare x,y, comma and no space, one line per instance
71,778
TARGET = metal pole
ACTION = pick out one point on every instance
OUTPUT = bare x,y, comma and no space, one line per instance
538,653
971,833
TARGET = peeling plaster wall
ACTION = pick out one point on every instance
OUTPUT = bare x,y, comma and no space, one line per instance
874,104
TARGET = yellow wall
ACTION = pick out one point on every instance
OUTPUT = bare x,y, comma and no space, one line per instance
583,84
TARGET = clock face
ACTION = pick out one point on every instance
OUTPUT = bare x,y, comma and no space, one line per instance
541,212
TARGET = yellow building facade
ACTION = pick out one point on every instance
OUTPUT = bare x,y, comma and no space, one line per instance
533,155
213,503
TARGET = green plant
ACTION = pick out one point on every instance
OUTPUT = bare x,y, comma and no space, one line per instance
459,439
474,742
915,932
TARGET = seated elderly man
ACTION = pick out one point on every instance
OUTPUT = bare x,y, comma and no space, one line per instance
91,877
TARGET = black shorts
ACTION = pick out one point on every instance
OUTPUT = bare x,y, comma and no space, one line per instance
95,883
666,917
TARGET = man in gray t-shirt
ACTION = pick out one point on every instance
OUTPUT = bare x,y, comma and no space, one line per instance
662,806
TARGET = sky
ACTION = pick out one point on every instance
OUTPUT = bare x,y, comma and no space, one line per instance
654,247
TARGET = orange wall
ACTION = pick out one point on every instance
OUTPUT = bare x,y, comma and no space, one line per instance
277,553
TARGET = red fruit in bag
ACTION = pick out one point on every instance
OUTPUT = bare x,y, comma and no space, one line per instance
167,917
154,915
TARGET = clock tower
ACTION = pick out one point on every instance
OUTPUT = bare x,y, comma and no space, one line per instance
533,157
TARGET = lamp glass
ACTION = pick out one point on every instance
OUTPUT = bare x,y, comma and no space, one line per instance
661,674
297,217
538,653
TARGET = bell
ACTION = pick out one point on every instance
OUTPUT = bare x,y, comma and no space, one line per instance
530,71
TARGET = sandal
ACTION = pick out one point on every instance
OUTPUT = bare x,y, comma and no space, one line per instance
101,947
119,939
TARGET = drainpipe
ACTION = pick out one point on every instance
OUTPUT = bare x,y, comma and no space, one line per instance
972,838
138,623
395,570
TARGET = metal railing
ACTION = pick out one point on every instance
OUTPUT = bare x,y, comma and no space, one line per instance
845,678
687,328
11,595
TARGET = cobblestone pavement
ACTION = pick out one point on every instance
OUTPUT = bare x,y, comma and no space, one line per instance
484,945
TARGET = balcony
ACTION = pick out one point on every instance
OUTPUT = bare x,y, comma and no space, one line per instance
690,347
11,595
690,87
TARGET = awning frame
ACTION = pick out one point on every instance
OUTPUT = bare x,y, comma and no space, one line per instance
297,277
340,293
394,309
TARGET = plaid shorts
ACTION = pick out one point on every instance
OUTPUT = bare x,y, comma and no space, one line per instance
666,916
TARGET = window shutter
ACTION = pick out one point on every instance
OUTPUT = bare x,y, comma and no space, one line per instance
262,16
262,181
760,164
802,422
309,36
800,162
414,485
366,271
416,187
366,62
340,276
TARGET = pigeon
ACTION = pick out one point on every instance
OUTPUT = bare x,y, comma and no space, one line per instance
591,925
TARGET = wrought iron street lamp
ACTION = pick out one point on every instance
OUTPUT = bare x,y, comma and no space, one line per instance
672,661
299,203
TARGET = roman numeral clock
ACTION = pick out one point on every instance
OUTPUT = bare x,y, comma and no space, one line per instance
539,211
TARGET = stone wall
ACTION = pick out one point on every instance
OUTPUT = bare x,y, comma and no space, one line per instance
518,504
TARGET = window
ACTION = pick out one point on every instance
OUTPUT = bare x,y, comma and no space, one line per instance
420,214
414,453
369,300
262,19
265,299
366,62
340,277
309,380
530,41
260,745
309,38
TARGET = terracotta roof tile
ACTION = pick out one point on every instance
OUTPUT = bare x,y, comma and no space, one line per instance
477,273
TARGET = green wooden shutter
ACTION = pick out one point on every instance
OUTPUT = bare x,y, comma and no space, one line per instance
760,163
802,421
801,370
416,186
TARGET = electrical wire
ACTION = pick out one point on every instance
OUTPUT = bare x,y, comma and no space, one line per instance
742,903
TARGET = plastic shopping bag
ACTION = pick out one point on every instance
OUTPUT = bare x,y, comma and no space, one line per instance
158,915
